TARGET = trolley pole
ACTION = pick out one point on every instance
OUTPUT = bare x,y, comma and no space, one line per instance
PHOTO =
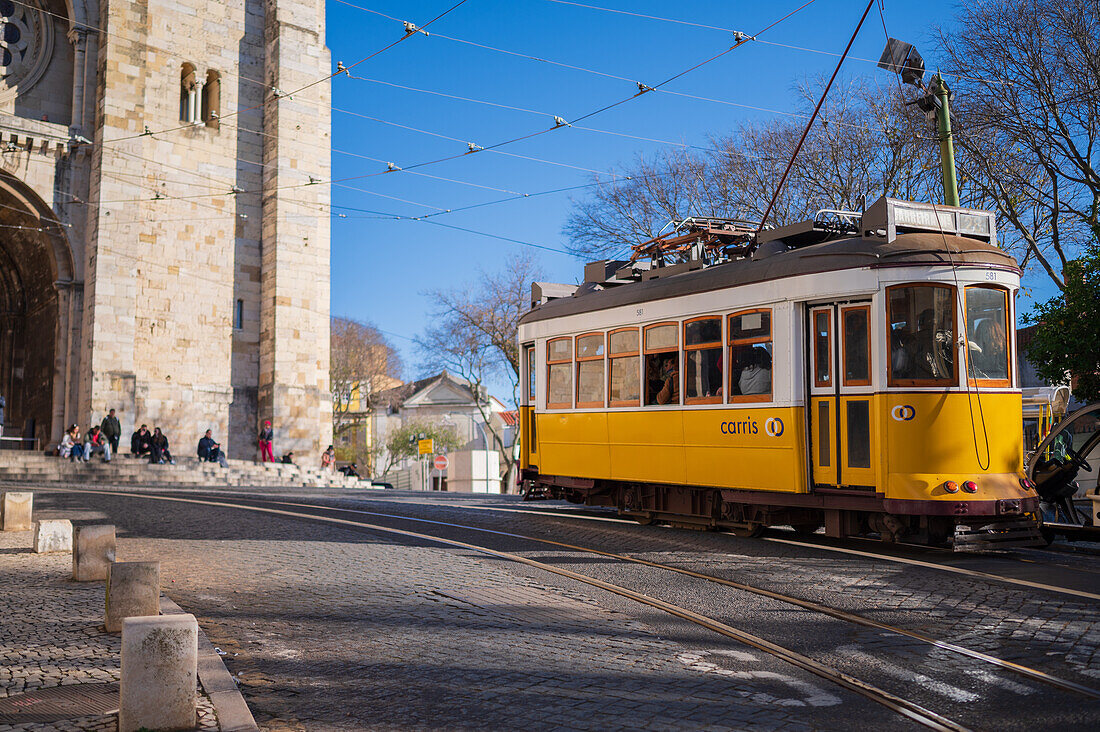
947,145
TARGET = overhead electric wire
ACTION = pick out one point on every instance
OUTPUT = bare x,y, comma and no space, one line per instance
279,94
731,30
805,132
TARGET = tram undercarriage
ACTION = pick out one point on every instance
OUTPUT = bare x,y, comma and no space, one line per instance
999,524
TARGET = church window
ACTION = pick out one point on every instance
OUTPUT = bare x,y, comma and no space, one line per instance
238,315
189,93
211,99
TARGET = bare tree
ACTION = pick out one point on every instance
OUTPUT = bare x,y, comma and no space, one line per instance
473,335
362,363
866,143
1028,85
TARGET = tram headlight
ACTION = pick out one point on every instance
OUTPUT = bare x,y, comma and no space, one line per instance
951,486
970,486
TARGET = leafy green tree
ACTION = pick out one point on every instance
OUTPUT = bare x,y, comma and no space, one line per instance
401,442
1068,337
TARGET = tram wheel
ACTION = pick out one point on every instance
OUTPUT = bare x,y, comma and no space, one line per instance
749,531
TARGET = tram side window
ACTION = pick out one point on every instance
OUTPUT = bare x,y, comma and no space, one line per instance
662,361
590,353
922,335
559,373
703,361
986,334
750,356
625,389
530,354
857,348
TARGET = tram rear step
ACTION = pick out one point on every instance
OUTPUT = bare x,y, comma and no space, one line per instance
997,535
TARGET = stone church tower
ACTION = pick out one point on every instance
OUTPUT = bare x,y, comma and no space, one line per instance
164,238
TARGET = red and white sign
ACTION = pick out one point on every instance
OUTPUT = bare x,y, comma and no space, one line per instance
440,462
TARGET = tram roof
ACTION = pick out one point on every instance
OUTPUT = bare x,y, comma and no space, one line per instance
851,253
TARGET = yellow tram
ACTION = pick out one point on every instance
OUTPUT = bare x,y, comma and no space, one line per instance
854,372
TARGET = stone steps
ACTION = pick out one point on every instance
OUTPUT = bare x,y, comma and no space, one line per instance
18,465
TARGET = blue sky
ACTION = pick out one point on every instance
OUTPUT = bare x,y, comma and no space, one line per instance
381,267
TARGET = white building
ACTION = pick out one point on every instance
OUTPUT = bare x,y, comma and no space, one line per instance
450,401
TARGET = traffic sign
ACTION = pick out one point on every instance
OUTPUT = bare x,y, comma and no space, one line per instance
440,462
425,447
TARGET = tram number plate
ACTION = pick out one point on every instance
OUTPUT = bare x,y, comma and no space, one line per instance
991,276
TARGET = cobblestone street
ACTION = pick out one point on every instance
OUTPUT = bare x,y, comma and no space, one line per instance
331,627
328,628
52,633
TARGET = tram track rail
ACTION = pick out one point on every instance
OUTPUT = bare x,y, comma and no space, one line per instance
907,708
883,556
1020,669
904,707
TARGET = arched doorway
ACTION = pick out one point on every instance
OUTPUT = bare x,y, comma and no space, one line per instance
36,272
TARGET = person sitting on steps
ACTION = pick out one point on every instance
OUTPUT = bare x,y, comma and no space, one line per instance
158,453
210,451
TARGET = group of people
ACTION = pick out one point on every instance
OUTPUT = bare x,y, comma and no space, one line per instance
100,439
152,445
103,439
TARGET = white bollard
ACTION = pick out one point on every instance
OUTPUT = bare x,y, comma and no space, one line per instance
15,511
159,673
133,589
53,535
93,552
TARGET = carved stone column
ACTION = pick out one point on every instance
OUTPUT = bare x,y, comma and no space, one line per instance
79,38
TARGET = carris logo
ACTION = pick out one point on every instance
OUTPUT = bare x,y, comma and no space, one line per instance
903,413
773,427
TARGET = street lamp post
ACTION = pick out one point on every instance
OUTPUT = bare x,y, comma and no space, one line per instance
902,59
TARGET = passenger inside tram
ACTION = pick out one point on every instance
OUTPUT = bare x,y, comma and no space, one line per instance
662,379
756,372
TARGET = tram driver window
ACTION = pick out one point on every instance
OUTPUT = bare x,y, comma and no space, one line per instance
750,359
986,335
922,335
662,364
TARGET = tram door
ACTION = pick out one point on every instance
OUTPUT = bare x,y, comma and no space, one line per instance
842,432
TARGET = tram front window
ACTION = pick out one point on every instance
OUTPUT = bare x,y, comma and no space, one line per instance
922,340
986,337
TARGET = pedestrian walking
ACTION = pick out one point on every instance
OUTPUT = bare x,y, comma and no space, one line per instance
111,430
267,436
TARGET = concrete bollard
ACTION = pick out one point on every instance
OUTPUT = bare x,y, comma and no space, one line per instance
133,589
53,535
159,670
15,511
93,552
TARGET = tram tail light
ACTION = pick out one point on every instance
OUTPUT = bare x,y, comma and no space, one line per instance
1027,484
951,486
970,486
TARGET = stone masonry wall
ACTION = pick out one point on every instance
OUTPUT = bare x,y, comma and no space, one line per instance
294,321
176,248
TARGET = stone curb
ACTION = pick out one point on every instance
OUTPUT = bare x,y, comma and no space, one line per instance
229,705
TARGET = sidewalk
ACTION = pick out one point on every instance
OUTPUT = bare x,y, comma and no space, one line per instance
52,635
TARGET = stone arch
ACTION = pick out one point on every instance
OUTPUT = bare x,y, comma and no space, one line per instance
37,297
